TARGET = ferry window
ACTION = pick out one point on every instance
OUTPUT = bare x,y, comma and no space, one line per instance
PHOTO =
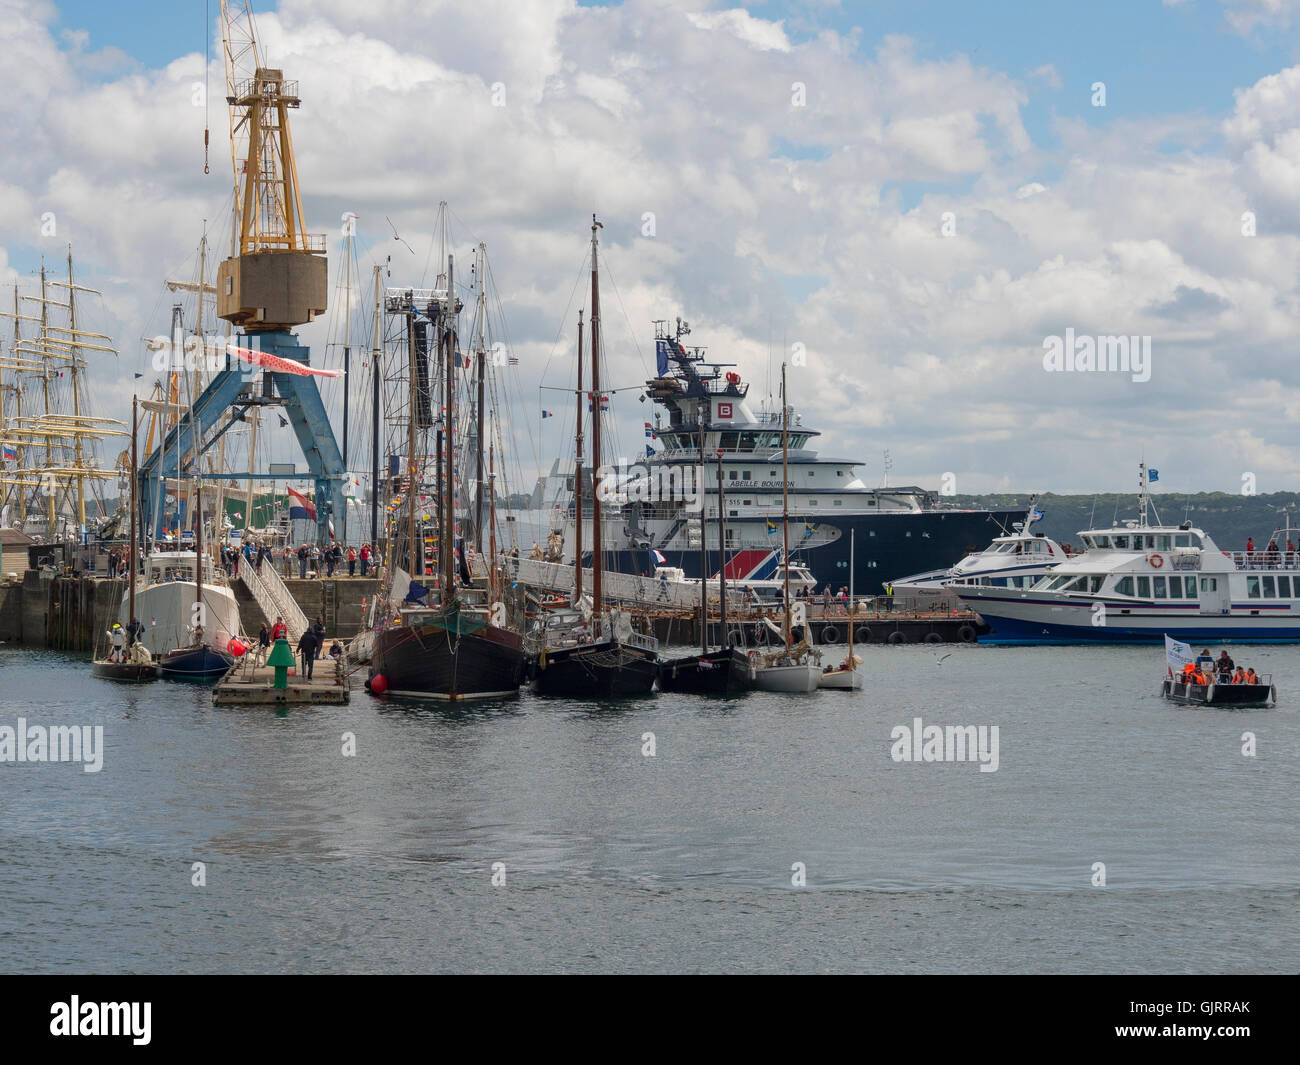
746,502
1144,587
1175,587
811,503
1270,591
812,473
1158,588
839,502
1121,543
731,476
748,441
1182,540
747,475
728,441
1252,587
1162,542
839,473
1190,584
1124,586
1210,584
1284,587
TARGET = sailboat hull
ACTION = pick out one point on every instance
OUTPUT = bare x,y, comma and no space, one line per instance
427,661
596,671
848,680
804,677
128,671
200,664
718,673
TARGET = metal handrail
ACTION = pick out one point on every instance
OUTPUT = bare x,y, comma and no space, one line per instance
273,597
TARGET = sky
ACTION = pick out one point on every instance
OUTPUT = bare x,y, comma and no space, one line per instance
904,201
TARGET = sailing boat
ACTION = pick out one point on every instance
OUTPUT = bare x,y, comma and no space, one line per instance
601,657
728,670
135,662
793,667
461,647
845,676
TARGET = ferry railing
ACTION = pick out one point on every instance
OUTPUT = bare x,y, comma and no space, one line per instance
1283,560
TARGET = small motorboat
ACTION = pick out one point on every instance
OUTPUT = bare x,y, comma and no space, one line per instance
1243,696
844,677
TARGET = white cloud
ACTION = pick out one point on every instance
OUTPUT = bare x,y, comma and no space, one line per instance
758,33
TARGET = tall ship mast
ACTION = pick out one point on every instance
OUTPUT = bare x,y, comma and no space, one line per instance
53,473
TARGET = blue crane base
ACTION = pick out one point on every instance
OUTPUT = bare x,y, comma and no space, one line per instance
237,386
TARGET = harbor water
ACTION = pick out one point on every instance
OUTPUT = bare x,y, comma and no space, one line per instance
773,833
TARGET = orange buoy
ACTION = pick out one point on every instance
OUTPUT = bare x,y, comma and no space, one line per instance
236,646
378,684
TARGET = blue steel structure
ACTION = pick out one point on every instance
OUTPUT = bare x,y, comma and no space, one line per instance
236,387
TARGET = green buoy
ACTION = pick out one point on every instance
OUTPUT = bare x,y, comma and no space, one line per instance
281,658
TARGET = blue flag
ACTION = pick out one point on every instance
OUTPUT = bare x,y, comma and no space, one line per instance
661,356
1153,476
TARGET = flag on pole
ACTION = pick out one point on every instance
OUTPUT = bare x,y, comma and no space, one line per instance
659,557
649,451
11,453
1177,654
548,414
305,509
1153,475
650,431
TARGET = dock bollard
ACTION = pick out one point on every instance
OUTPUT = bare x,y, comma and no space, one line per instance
281,659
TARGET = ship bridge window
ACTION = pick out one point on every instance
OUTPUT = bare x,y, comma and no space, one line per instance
1182,540
1120,543
1124,586
728,441
1163,542
1103,542
1087,542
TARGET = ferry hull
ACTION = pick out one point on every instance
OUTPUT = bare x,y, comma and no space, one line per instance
1014,622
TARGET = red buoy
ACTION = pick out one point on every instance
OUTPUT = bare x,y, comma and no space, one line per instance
378,684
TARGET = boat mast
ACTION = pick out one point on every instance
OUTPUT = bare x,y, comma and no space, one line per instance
481,360
492,524
577,484
76,395
448,498
722,554
410,446
852,604
596,541
132,565
785,502
374,419
704,547
347,366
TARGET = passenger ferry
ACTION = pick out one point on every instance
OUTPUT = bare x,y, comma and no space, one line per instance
1018,560
1136,582
897,530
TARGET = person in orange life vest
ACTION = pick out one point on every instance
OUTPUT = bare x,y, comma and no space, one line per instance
1239,677
1251,676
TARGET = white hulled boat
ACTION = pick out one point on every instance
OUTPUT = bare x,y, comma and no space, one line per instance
1136,582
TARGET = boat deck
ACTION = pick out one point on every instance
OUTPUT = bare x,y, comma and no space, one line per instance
252,684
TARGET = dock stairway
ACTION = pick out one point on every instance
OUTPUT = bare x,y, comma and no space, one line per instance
274,598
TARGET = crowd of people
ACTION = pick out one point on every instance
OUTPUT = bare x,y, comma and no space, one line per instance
1222,670
1271,556
311,559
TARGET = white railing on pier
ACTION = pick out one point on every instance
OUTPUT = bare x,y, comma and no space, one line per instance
274,598
557,579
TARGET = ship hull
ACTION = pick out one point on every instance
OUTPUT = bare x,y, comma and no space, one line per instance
203,665
885,546
717,673
426,661
596,671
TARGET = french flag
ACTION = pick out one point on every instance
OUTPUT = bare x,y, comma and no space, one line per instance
305,507
659,558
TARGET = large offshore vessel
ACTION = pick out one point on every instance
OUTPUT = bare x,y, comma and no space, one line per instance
653,517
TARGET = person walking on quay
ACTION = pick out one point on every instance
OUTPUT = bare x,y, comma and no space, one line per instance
309,649
338,558
365,559
329,561
263,642
352,561
303,555
318,630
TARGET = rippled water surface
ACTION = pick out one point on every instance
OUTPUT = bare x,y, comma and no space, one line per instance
615,861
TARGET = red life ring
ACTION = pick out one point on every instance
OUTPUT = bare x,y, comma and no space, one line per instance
1156,560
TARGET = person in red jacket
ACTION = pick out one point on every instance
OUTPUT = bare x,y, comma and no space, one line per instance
279,630
352,561
365,559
